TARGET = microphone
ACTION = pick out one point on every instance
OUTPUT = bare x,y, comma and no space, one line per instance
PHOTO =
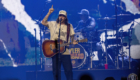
60,19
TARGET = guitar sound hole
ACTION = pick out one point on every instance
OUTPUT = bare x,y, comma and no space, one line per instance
55,51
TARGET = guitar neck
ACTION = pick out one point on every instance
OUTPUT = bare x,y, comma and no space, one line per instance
65,44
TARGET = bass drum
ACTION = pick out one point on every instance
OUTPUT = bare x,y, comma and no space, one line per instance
78,55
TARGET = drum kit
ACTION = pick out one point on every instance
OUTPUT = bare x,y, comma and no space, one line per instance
113,46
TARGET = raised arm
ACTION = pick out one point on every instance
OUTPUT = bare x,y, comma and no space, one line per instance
45,20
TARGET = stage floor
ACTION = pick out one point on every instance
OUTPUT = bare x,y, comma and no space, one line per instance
29,73
96,74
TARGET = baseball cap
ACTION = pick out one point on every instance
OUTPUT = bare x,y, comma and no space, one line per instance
84,12
63,12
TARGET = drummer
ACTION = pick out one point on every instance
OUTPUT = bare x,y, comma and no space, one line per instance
86,23
87,27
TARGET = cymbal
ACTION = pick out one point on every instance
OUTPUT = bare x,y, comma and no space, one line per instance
122,15
102,30
105,18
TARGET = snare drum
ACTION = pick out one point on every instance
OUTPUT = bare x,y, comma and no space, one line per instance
78,55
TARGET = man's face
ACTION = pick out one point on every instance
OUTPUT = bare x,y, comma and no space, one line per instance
62,17
84,17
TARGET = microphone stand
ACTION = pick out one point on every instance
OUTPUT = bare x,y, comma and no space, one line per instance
117,50
39,23
121,36
59,67
35,56
106,42
130,34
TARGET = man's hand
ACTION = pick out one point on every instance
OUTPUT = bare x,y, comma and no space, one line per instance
74,42
51,9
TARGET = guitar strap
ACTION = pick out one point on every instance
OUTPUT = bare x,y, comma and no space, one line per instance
68,32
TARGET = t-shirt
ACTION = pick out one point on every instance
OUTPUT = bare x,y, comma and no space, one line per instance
88,29
88,25
54,32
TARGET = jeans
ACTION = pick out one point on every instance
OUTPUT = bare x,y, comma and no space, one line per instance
65,60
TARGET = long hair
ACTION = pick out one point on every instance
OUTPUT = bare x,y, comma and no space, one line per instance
66,20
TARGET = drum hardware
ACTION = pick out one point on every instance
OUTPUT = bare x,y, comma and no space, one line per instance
122,53
122,15
129,39
90,62
116,28
106,35
121,34
129,42
105,30
108,42
90,57
111,60
92,54
113,41
105,18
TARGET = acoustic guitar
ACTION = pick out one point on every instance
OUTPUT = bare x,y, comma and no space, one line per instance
51,47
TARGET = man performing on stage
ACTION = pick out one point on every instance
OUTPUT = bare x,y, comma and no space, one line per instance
54,32
87,27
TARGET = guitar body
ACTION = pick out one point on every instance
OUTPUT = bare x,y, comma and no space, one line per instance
50,48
